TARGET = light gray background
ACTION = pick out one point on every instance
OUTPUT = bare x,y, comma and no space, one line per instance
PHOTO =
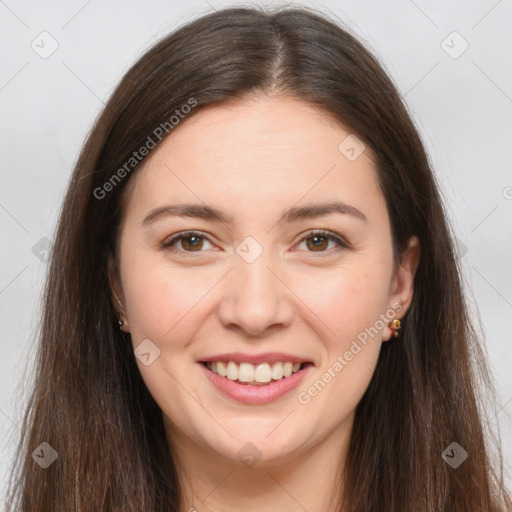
461,105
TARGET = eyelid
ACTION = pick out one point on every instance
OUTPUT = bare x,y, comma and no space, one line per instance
338,239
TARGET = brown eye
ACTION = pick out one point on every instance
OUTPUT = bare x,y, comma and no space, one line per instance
189,242
318,241
192,242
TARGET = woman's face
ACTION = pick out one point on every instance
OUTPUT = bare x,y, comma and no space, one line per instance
253,292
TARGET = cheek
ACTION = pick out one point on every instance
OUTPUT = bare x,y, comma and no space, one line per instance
161,298
347,299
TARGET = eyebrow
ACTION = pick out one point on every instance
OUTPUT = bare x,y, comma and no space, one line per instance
210,213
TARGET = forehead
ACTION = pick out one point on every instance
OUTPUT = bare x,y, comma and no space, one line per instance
256,153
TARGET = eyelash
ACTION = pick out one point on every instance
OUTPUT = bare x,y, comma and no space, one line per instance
186,234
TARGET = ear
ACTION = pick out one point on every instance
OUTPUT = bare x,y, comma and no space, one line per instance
402,285
117,294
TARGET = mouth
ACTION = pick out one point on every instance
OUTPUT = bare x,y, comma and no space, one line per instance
255,379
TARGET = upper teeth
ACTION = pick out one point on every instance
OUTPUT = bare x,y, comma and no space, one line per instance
247,372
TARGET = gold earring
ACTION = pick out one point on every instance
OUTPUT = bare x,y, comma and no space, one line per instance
395,327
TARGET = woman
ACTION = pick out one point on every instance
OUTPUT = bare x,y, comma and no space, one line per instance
253,300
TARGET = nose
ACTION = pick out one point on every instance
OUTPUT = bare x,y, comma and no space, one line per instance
255,298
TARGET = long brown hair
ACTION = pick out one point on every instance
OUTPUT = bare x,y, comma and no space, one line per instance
89,402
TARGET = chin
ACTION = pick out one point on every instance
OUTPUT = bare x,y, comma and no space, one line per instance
253,445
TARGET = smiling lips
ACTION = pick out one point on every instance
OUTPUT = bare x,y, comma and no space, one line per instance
255,379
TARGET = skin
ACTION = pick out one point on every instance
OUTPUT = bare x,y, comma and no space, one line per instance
255,159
